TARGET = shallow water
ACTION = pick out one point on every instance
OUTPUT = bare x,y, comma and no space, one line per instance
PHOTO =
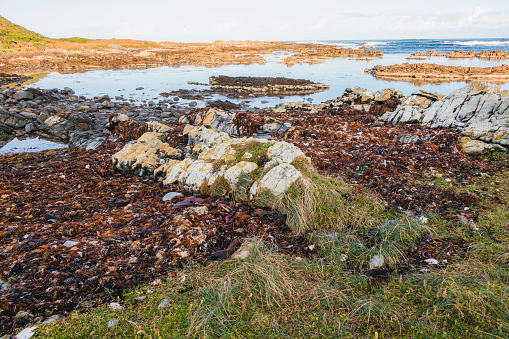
339,74
30,145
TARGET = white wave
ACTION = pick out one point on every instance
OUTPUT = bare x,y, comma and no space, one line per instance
479,43
346,44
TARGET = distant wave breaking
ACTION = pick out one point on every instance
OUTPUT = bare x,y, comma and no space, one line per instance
346,44
478,43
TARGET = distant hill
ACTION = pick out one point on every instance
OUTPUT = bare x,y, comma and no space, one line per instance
13,36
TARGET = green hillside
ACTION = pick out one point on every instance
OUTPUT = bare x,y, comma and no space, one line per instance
13,36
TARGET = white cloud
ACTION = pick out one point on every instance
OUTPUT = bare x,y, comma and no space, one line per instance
202,20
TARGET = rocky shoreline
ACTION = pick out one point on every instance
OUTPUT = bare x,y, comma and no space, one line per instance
215,54
483,55
142,181
424,73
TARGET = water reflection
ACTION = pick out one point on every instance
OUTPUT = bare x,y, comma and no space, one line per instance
30,145
339,74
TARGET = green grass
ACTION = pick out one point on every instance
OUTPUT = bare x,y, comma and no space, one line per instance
257,150
75,39
12,35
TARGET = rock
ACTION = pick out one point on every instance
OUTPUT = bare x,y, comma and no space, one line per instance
478,110
249,87
68,90
155,126
10,121
272,127
358,95
244,251
283,152
233,173
424,73
51,319
384,94
27,333
23,314
103,99
176,171
88,140
477,147
43,116
116,306
376,262
198,210
22,95
70,243
220,120
411,109
431,261
112,323
193,104
81,121
172,195
59,127
164,303
145,154
196,174
277,180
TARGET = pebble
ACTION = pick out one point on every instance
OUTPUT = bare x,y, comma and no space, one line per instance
113,322
242,255
172,195
70,243
51,319
376,262
163,304
431,261
116,306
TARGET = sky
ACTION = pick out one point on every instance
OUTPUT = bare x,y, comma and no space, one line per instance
275,20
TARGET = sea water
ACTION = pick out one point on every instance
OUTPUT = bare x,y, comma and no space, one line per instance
29,145
338,73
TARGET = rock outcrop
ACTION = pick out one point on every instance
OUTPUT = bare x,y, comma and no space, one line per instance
249,87
411,109
432,73
361,98
483,55
480,111
213,160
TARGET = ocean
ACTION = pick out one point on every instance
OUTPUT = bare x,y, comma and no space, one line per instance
409,46
339,73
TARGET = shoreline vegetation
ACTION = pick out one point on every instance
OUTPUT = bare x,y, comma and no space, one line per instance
385,230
